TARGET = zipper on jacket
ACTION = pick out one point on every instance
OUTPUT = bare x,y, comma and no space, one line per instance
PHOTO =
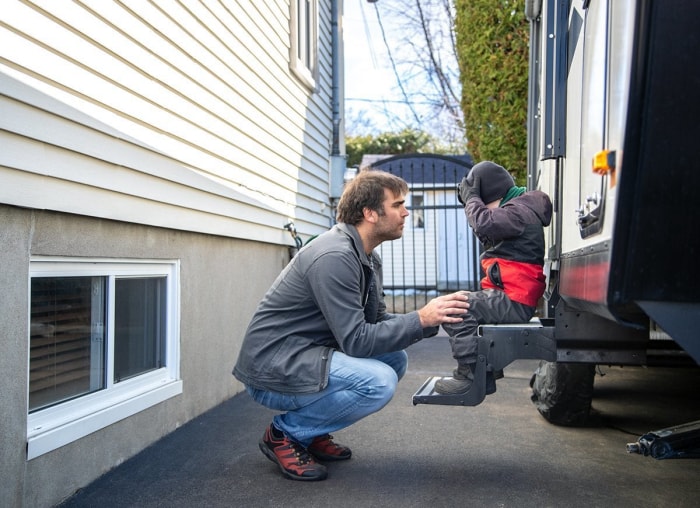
325,368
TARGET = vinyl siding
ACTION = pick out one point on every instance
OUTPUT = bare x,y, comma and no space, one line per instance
175,114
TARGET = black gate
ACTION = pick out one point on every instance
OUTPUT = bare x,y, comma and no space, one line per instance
438,252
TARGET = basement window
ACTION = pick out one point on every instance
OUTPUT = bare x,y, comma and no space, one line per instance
103,345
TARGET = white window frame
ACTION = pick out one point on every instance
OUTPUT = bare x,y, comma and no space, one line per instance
421,209
56,426
304,38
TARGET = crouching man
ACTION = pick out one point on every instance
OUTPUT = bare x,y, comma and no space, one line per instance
321,348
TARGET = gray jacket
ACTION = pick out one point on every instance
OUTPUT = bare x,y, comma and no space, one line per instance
320,303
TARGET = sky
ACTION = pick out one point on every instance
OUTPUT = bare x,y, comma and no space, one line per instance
367,76
375,101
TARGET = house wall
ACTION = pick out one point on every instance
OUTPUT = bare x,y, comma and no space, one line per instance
222,280
173,114
152,130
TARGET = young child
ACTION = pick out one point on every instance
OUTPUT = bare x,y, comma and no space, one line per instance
509,223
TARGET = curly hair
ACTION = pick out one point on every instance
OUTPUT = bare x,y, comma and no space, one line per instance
366,190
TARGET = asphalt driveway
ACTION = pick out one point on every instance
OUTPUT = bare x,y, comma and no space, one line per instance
501,453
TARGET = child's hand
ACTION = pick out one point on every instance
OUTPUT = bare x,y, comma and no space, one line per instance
469,187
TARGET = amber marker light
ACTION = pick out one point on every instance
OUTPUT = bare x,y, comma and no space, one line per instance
604,164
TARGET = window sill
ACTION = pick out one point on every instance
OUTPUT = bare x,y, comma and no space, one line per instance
47,431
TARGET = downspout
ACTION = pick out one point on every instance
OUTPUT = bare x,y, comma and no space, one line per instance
336,48
338,156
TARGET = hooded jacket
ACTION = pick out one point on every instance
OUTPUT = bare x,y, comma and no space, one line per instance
326,299
513,239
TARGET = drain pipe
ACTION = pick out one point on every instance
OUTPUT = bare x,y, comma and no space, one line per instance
337,71
338,156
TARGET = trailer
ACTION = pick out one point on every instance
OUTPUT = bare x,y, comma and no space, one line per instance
613,122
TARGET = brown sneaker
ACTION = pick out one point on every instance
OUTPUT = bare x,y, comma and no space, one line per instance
323,448
294,460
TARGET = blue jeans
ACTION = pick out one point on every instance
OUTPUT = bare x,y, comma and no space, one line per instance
357,387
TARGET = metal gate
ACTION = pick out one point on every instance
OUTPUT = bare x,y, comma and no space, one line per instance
438,252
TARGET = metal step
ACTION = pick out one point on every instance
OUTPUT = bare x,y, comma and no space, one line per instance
499,345
426,394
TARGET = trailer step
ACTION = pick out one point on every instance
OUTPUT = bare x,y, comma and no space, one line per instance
426,394
498,346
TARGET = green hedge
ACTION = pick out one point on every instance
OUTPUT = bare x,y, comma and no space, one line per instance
492,50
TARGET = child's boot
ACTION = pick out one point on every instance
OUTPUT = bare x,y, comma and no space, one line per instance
460,382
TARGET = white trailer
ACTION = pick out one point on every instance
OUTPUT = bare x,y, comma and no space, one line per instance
614,118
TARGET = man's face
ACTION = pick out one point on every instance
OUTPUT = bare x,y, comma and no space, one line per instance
390,225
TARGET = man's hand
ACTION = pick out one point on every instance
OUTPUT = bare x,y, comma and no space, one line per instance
444,309
468,188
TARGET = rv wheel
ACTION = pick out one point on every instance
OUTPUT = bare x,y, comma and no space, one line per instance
562,392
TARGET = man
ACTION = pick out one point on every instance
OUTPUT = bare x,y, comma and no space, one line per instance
321,346
509,223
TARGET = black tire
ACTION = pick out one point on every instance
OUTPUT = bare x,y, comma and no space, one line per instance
562,392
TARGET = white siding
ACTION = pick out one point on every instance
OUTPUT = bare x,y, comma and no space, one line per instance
181,114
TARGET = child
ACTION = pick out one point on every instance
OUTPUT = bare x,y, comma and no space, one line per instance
509,223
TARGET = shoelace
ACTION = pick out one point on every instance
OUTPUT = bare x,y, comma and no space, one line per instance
302,455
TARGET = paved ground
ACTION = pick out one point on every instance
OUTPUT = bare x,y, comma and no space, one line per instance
501,453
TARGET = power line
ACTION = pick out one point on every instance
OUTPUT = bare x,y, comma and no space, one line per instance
393,66
397,101
368,36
